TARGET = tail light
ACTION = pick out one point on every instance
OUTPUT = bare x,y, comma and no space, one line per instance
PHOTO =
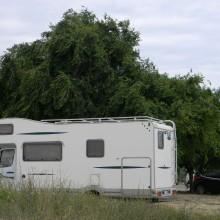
159,194
196,178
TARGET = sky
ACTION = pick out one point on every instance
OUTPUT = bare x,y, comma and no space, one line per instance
176,35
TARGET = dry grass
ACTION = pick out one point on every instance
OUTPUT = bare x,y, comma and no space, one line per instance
206,204
31,203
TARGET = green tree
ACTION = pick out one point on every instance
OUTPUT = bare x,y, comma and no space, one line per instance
89,67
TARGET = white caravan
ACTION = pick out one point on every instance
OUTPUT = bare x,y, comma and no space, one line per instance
126,156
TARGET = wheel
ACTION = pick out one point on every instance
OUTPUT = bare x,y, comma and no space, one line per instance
200,189
155,200
93,192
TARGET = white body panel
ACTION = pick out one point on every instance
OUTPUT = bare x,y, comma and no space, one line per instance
132,164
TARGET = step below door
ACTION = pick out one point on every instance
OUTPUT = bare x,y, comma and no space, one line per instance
136,176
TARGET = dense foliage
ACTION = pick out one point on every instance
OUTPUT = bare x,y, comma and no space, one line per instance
87,67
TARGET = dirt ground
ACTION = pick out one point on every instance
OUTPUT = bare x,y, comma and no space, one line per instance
203,204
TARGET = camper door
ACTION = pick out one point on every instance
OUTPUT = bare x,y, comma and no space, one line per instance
164,158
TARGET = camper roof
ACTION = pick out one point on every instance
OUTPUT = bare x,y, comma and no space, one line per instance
155,121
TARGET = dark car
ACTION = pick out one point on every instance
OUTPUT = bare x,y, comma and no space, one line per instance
208,182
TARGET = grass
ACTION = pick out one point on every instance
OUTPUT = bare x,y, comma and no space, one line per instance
53,204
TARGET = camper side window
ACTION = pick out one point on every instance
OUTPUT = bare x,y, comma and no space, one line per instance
95,148
160,139
42,151
6,129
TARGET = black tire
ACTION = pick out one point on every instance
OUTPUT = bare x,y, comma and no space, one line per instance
93,192
155,200
200,189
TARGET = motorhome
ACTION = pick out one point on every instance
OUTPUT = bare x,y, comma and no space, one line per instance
123,156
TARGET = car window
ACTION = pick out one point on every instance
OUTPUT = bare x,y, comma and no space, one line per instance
214,174
7,157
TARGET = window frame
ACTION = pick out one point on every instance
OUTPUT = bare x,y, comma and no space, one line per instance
8,133
39,143
88,146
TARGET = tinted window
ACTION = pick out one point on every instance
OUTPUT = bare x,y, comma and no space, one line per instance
214,174
42,151
160,139
7,157
168,135
6,129
95,148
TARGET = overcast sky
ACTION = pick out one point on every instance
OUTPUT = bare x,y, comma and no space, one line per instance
176,35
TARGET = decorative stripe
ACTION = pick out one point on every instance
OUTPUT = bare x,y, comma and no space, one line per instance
119,167
164,167
41,133
40,174
10,172
9,177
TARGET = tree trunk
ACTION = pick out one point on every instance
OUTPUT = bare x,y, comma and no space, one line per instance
190,180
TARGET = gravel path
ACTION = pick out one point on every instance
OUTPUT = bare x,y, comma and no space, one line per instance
203,204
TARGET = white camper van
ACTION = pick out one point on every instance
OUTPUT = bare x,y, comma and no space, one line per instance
126,156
